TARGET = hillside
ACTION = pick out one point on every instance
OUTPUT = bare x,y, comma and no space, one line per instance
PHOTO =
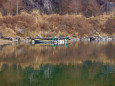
55,17
85,7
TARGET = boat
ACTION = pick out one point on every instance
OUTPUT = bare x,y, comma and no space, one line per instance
50,40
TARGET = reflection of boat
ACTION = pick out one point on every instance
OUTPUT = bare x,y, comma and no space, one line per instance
50,40
51,44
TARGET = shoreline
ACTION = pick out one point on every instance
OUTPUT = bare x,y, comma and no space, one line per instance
10,40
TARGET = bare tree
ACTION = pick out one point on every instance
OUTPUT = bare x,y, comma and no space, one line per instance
17,7
12,6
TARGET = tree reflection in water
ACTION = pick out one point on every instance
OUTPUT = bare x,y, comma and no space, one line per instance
79,64
86,74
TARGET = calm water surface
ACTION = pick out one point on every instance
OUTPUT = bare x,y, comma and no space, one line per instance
76,64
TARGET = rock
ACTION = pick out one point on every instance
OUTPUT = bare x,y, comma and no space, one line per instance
92,38
104,38
3,37
7,38
10,38
0,35
85,39
18,38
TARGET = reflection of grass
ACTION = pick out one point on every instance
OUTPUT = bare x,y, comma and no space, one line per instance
73,54
5,41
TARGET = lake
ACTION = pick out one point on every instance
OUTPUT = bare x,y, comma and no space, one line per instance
74,64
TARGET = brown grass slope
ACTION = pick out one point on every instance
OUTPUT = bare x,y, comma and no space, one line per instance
33,24
110,26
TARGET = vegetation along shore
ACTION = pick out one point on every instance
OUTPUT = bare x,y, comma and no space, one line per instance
29,25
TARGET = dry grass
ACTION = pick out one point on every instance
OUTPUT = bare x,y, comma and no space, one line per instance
54,25
109,26
104,24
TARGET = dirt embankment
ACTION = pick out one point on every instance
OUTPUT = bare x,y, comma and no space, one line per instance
33,24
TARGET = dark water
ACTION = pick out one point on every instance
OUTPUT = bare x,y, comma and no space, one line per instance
76,64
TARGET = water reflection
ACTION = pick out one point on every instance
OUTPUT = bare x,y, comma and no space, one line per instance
86,74
75,53
78,64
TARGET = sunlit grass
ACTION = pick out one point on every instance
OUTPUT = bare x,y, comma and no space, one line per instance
34,23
